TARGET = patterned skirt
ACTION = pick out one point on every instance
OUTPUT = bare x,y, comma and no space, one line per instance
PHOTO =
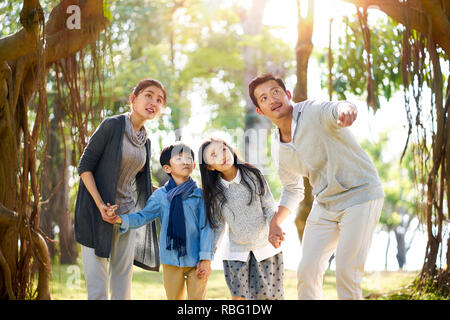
255,280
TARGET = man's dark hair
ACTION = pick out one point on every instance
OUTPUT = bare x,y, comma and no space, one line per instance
260,80
174,150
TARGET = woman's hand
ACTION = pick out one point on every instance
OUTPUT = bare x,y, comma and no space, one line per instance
108,213
106,210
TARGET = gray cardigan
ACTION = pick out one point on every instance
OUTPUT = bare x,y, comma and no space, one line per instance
102,156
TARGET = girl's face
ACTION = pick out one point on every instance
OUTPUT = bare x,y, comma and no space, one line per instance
218,156
148,103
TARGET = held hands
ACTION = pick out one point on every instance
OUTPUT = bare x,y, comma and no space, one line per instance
347,114
108,213
276,234
203,269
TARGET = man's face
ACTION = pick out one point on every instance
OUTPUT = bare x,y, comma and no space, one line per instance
272,100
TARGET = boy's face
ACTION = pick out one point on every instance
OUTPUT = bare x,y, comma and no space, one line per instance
181,165
272,100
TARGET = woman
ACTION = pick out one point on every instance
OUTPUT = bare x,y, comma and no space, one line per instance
117,157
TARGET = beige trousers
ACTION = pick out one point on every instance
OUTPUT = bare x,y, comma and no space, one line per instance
118,276
177,278
349,233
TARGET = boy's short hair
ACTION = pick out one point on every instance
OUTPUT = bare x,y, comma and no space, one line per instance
260,80
174,150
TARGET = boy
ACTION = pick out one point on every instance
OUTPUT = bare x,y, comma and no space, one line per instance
186,238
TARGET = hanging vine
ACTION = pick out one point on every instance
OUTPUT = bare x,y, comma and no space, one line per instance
420,67
424,24
25,60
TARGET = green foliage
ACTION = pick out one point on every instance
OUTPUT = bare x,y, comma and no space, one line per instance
107,9
215,59
349,68
427,288
401,194
10,14
9,17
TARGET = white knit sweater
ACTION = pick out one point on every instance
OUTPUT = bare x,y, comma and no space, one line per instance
248,225
340,172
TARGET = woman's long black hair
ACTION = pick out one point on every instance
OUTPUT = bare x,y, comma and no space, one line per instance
214,191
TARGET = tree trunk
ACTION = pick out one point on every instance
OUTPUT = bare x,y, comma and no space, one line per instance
431,18
55,192
52,181
24,61
401,248
303,52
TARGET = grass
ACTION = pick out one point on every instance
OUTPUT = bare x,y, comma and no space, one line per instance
68,283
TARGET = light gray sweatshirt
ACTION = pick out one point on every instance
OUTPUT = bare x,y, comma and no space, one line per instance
248,224
339,170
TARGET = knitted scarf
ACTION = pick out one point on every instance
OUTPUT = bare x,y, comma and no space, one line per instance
137,138
176,230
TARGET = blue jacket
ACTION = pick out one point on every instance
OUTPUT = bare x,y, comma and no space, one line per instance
199,234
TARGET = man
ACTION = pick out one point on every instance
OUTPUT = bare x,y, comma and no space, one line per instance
312,140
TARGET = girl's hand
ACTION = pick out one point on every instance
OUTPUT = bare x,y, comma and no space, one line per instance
275,240
276,234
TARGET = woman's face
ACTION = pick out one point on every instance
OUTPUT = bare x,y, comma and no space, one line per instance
148,103
218,156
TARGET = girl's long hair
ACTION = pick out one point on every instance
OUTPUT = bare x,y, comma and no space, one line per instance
214,191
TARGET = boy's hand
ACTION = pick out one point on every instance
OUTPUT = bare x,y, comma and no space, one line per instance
203,269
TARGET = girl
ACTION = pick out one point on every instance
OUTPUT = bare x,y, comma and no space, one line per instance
116,157
237,194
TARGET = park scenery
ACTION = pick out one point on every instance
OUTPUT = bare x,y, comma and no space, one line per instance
66,65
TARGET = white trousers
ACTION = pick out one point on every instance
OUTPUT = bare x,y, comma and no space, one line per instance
119,275
349,233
